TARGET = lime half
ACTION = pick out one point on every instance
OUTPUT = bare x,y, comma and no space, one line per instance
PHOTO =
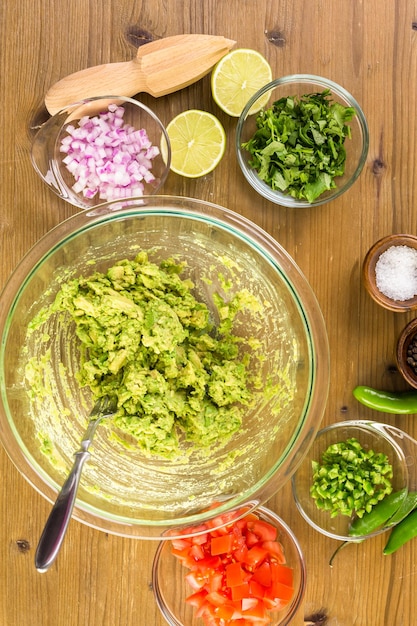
198,142
237,77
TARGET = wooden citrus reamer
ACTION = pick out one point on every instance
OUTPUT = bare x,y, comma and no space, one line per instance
159,68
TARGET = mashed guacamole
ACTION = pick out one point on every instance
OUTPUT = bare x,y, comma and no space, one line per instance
146,339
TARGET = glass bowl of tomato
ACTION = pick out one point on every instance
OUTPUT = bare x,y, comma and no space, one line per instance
302,141
243,569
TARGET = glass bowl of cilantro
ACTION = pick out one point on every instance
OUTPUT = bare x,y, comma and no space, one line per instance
306,145
353,479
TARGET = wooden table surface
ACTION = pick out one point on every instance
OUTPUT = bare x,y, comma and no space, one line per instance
368,46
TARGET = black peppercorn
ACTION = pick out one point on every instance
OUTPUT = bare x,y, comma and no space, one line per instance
412,354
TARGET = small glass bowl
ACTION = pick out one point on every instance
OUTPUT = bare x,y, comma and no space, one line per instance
371,435
170,587
369,274
47,158
299,85
408,372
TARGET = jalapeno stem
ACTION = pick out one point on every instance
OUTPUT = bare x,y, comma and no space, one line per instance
336,552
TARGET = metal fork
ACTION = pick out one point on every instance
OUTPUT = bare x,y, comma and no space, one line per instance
57,523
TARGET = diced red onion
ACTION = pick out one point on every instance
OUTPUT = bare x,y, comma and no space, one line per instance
108,157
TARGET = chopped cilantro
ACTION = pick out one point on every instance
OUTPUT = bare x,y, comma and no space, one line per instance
298,147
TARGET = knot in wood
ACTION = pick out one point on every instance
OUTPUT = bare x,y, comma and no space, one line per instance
138,36
378,167
276,37
23,545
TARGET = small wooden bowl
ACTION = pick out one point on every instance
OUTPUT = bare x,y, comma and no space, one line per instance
404,340
369,275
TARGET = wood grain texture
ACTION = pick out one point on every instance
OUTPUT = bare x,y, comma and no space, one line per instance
368,46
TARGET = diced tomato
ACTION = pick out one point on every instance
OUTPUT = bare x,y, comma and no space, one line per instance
182,555
237,572
256,555
180,544
197,599
240,554
279,591
195,580
200,540
255,611
217,598
222,544
251,539
197,552
240,548
244,521
222,520
263,574
282,573
264,530
209,616
248,603
275,549
256,590
208,563
239,592
225,612
215,582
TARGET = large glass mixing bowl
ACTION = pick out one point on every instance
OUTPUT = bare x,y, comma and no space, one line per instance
122,490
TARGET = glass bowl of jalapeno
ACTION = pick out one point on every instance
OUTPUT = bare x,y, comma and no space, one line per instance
353,481
302,141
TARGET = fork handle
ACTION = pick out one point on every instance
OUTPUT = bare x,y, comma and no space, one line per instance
57,523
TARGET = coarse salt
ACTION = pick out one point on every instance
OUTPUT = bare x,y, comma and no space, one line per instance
396,273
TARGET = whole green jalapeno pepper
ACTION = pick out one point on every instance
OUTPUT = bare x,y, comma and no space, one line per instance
402,532
387,401
383,512
378,515
408,505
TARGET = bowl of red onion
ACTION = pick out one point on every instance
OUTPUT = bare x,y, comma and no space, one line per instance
100,150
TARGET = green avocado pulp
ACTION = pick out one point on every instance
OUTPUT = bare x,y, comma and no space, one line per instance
146,339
